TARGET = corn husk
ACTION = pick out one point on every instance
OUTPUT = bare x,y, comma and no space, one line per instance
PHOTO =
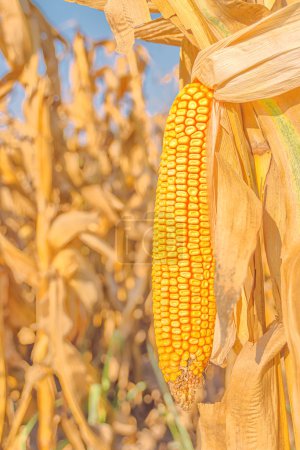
260,61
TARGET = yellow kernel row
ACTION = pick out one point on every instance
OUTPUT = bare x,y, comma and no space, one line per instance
183,263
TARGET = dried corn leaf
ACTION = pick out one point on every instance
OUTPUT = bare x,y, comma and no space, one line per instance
96,4
160,31
100,4
188,54
290,288
99,245
186,15
247,417
220,17
257,141
81,277
83,114
68,225
99,199
212,426
44,142
123,15
274,224
282,135
22,266
248,66
237,11
16,39
49,34
239,213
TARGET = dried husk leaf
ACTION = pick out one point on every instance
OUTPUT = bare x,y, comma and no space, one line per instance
228,142
240,11
217,15
226,17
290,295
281,130
274,217
248,66
247,417
258,142
232,252
212,426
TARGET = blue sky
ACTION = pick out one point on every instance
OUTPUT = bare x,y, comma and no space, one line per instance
69,17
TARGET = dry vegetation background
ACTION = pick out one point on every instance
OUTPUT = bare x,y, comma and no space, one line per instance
77,182
77,361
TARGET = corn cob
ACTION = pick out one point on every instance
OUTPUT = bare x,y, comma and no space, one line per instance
183,264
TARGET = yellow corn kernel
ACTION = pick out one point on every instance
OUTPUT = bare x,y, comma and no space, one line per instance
183,263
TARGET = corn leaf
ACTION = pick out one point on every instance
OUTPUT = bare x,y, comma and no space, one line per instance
247,66
67,226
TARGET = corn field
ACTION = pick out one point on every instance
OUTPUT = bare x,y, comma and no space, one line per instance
80,358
